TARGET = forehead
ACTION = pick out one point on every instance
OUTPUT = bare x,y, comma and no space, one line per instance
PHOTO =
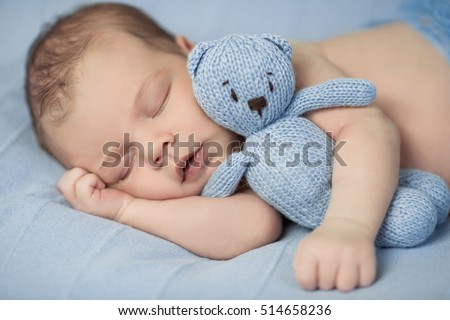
108,77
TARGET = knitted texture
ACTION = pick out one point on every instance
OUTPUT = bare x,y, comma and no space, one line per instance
246,84
432,19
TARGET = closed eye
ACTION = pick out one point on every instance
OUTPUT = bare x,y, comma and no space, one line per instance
163,105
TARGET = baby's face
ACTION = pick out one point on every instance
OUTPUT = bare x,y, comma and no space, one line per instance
127,95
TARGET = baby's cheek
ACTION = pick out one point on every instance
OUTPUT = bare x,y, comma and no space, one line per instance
144,185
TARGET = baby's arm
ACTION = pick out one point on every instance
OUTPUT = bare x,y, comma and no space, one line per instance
216,228
340,253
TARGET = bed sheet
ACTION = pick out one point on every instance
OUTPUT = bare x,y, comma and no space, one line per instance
50,251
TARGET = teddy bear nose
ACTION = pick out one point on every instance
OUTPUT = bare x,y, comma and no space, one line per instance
257,104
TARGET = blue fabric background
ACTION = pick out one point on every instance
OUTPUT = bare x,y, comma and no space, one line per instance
50,251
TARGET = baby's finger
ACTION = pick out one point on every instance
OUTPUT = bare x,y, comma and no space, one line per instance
306,271
87,188
348,276
327,272
368,271
66,184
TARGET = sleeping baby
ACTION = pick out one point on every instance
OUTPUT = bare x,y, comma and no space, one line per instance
112,100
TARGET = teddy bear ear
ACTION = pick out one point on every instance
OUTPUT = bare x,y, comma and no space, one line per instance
281,43
196,55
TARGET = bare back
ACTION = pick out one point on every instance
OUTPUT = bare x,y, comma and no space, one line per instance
412,80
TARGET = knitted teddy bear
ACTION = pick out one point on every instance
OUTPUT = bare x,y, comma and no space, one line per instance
246,84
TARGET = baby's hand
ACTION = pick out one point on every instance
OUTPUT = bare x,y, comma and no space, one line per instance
338,254
85,191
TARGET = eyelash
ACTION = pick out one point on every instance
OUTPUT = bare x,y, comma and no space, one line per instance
163,105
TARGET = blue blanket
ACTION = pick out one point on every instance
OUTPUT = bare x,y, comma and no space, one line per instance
50,251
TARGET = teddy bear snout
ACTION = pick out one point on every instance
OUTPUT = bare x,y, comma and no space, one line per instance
257,104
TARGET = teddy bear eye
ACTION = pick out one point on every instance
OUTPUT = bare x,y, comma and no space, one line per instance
270,82
234,96
233,93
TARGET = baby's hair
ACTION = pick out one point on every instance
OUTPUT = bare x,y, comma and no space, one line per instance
53,58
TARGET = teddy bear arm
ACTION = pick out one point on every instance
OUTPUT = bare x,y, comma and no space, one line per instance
226,178
333,93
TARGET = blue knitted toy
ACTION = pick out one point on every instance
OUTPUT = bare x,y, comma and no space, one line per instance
246,84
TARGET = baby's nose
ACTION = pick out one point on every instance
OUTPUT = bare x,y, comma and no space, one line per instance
158,154
257,104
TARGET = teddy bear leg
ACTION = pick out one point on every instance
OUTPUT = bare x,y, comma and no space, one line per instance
431,185
410,220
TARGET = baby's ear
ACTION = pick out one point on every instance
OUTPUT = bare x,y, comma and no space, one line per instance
196,55
281,43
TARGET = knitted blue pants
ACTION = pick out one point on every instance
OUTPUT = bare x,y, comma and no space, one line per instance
431,18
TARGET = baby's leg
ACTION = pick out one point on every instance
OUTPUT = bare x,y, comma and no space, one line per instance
408,63
429,134
431,19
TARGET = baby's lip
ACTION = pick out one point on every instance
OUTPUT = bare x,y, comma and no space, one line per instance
181,166
180,172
